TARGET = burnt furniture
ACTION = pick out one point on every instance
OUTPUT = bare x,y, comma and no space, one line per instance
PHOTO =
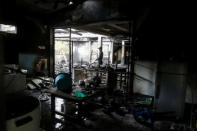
69,98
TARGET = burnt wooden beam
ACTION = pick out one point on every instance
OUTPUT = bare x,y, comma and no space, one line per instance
108,22
119,27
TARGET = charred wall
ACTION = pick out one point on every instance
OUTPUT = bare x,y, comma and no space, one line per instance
29,36
2,100
31,33
164,36
91,11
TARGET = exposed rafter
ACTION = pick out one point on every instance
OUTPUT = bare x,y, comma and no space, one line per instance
119,27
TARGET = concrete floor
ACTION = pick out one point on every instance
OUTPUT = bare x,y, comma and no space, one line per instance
97,119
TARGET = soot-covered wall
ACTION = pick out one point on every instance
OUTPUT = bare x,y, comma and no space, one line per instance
31,34
163,37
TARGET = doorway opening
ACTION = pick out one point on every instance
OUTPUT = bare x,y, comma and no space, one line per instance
74,48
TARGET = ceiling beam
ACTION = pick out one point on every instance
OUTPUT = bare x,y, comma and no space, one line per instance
67,31
103,23
119,27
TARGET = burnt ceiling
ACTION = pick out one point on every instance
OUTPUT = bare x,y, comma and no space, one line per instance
100,16
119,29
158,27
108,17
46,6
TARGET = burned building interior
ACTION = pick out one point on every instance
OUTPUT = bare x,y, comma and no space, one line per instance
96,65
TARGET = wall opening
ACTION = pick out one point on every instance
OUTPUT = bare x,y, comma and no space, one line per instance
8,29
84,49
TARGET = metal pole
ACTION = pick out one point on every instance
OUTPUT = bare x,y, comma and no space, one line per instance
123,53
132,53
108,58
52,53
90,52
112,51
70,52
53,110
128,68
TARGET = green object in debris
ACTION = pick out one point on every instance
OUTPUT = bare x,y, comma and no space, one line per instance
144,101
79,94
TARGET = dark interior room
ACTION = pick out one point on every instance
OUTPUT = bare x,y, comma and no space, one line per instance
96,65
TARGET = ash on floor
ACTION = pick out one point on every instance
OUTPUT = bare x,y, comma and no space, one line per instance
98,119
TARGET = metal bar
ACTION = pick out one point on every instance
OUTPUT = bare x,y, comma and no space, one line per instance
90,52
118,27
108,61
121,45
62,37
80,41
72,54
53,110
116,61
74,32
70,72
129,61
59,113
128,67
106,22
52,53
133,36
59,121
121,79
144,66
142,78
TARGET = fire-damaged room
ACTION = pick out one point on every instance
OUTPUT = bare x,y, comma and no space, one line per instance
94,65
